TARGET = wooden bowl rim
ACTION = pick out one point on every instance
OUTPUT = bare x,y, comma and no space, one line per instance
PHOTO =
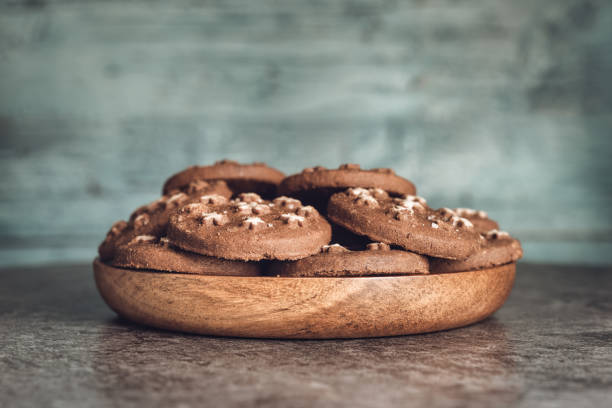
386,276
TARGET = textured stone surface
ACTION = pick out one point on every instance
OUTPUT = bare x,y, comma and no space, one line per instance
502,105
550,345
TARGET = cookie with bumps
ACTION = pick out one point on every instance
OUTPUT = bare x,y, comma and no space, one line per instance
377,259
150,253
314,185
480,219
152,219
405,221
249,228
254,177
497,248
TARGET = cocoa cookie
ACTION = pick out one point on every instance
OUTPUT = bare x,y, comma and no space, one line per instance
497,248
152,219
404,221
149,252
480,219
249,228
337,261
314,185
254,177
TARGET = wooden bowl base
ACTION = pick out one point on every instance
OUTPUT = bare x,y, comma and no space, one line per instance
304,308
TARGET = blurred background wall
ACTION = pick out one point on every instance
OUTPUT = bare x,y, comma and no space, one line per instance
499,105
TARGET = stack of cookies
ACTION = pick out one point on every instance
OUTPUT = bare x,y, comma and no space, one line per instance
249,220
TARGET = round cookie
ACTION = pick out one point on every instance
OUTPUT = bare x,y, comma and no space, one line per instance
254,177
337,261
314,185
152,219
249,228
148,252
480,219
407,222
497,248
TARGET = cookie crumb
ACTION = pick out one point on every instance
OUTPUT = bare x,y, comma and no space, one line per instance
214,199
249,198
293,219
366,200
495,234
287,202
333,248
252,223
142,238
306,211
142,220
460,222
213,218
469,212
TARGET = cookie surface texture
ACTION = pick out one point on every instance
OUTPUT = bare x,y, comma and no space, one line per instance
497,248
152,219
255,177
480,219
150,253
249,228
377,259
314,185
405,221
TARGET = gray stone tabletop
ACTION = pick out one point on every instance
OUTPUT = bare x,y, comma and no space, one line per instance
549,346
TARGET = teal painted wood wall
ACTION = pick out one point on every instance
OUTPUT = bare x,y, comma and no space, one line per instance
505,106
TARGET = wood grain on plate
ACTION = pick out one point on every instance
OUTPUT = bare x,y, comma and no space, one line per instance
304,308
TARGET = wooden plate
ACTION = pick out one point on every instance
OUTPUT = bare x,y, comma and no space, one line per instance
304,308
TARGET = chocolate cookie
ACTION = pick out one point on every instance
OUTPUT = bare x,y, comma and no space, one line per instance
254,177
337,261
480,219
497,248
152,219
148,252
407,222
249,228
314,185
